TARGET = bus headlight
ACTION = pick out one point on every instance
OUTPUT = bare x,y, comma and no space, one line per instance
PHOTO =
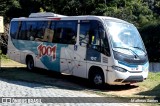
145,69
119,69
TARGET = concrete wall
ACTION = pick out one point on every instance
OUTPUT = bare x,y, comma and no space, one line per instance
154,67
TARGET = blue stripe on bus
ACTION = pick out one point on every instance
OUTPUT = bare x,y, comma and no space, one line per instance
45,59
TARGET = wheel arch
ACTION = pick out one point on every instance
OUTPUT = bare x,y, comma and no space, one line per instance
29,56
94,69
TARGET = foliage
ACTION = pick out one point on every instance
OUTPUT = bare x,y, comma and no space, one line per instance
4,7
142,13
138,12
3,39
150,35
134,11
151,85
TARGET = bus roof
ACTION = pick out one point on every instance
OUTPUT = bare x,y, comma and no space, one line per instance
45,14
53,16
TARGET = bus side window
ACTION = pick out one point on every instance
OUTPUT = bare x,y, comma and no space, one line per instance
94,39
70,36
56,38
84,33
65,32
31,25
27,30
22,31
92,35
14,29
48,33
52,27
104,42
29,33
40,30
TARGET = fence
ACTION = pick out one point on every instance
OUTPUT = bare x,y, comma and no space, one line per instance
154,67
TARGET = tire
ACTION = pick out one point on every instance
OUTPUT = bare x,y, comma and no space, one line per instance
30,63
97,79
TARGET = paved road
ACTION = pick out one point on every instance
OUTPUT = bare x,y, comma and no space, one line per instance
26,84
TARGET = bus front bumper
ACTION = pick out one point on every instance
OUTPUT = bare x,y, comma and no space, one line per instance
133,79
120,78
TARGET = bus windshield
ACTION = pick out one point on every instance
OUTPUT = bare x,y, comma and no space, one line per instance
125,37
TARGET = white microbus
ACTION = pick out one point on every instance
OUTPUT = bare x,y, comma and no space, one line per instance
101,49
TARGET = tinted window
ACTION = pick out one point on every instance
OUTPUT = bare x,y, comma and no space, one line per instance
52,25
49,31
22,31
92,35
34,29
58,32
31,30
84,33
89,32
40,28
65,32
14,29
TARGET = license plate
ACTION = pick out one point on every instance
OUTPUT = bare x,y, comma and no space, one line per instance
134,69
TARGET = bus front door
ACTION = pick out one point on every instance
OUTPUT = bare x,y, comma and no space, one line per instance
79,58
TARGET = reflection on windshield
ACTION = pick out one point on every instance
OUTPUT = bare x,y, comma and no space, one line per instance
125,36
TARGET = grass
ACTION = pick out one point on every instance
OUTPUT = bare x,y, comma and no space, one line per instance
152,81
151,87
5,61
4,58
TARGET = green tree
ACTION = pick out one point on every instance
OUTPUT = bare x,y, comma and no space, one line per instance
75,7
4,7
14,9
134,11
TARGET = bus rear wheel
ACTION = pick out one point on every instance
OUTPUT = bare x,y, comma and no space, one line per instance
30,63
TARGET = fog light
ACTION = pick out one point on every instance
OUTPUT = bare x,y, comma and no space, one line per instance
118,80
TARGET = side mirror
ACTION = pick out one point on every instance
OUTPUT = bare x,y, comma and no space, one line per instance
106,51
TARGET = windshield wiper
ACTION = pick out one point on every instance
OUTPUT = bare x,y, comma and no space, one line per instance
135,54
140,49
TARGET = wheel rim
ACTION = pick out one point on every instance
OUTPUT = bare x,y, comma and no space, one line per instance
98,79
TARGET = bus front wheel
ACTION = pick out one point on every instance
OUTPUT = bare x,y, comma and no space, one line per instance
97,79
30,63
